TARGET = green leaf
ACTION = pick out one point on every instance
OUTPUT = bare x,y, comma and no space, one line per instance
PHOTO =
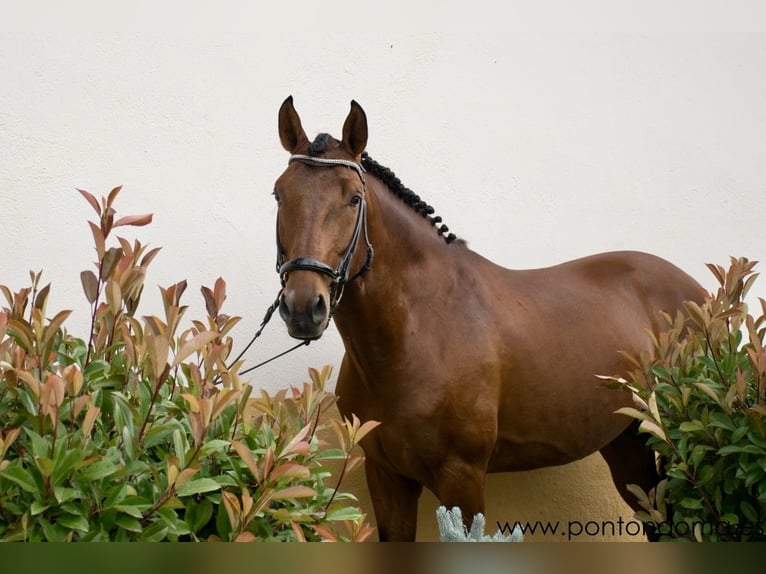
735,449
177,526
754,475
20,476
127,442
96,370
179,445
704,473
749,512
156,532
98,470
159,433
53,532
40,446
718,498
116,494
198,486
331,454
29,402
698,454
65,463
710,393
128,523
133,511
343,513
756,439
226,480
297,491
692,503
202,514
64,494
73,522
691,426
212,446
44,465
718,419
737,435
136,468
38,507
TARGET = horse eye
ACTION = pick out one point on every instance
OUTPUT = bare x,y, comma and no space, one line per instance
276,196
355,200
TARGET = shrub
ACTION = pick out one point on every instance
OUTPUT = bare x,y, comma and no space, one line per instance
701,397
140,431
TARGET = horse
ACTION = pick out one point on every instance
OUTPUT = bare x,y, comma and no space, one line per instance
470,367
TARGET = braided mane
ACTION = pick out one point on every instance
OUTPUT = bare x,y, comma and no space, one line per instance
408,196
324,141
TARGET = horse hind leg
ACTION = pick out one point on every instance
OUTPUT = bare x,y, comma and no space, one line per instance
631,461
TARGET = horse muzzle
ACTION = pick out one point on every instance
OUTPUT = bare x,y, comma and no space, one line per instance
305,311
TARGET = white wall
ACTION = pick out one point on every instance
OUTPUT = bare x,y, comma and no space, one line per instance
540,131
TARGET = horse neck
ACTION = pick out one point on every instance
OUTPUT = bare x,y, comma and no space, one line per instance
411,261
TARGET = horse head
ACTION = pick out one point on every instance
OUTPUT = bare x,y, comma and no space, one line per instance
321,218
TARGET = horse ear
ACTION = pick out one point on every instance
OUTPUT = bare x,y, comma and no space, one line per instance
291,132
355,130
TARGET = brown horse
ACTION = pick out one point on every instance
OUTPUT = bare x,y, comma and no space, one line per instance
471,368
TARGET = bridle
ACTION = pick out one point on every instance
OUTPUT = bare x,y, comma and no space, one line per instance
340,274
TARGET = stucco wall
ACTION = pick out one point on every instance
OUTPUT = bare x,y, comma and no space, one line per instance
540,132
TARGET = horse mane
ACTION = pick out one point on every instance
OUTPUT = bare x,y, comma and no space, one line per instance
408,196
322,142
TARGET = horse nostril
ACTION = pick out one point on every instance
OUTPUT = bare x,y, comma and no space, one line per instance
320,309
284,308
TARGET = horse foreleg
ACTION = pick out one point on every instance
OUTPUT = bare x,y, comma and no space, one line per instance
395,502
462,484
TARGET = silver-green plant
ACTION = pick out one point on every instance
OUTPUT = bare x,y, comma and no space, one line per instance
452,528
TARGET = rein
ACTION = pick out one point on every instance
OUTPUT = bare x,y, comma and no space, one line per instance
266,318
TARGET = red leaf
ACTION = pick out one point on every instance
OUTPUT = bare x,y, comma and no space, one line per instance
210,306
150,256
110,260
135,220
89,285
112,195
220,292
98,238
91,199
323,531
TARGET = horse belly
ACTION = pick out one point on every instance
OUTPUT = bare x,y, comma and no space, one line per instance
548,418
554,443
